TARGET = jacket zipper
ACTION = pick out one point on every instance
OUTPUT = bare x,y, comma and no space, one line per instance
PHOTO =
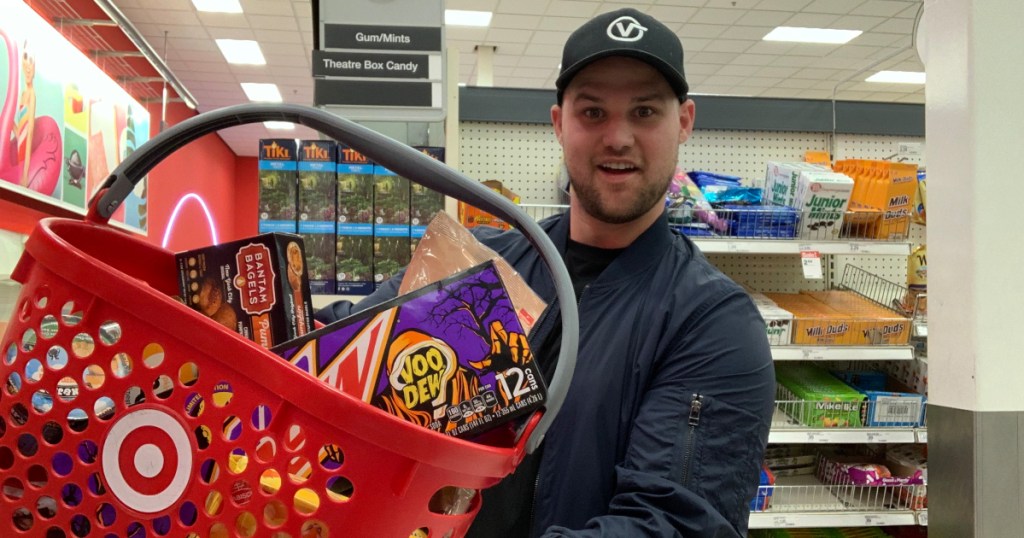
694,420
536,482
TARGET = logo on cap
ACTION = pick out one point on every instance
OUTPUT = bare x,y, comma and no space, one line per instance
626,28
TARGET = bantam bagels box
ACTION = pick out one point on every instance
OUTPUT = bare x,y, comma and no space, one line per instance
257,287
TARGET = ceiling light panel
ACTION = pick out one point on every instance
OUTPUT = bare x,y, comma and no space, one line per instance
795,34
241,51
218,6
261,92
897,77
460,17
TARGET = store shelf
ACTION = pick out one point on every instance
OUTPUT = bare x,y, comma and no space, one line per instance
842,353
803,501
786,431
792,246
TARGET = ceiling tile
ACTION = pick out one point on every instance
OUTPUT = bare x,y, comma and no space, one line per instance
812,20
817,73
168,17
689,3
472,5
550,38
227,20
762,81
912,98
215,76
531,72
516,49
728,45
569,8
753,59
795,83
176,5
529,61
523,7
203,67
720,80
776,71
812,49
714,90
760,17
195,45
563,24
229,33
266,7
555,51
668,14
703,30
875,39
880,8
754,33
701,69
795,61
911,12
269,22
896,26
302,10
885,96
272,37
838,7
515,22
499,35
854,51
716,16
835,62
858,22
720,58
815,94
782,5
747,90
777,92
693,44
851,96
739,70
731,4
770,47
137,16
156,39
467,33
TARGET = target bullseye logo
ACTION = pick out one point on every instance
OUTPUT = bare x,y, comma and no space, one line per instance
147,460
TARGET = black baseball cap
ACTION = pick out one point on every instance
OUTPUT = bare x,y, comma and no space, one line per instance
624,32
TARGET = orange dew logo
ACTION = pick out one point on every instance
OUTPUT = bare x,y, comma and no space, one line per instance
255,279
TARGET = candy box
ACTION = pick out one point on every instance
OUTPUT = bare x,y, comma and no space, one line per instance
451,356
257,287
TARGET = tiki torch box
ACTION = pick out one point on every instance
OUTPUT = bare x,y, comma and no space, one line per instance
450,356
257,287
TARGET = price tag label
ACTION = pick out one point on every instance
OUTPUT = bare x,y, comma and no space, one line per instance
874,520
736,247
922,436
782,521
922,518
811,262
920,329
814,353
817,437
877,437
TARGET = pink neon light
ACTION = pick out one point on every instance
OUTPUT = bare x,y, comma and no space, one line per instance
177,209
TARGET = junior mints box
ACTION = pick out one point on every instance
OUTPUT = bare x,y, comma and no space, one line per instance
446,356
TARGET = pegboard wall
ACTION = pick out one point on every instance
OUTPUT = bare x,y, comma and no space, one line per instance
526,156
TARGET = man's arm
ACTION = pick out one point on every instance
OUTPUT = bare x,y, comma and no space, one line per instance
345,308
693,461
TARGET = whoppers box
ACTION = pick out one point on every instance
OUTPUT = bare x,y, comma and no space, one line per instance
446,356
354,245
317,185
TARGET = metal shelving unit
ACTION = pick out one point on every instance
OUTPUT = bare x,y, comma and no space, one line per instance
804,501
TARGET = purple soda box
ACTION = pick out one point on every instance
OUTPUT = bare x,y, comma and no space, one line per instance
451,356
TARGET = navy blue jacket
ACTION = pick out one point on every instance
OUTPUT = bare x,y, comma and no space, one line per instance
665,424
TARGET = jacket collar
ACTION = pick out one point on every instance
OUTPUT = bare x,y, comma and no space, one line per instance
639,255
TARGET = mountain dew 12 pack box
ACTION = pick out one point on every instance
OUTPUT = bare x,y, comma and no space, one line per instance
451,356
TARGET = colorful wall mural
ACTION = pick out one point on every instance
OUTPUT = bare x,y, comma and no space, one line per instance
64,124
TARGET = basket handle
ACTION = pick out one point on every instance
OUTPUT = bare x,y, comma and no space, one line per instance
397,157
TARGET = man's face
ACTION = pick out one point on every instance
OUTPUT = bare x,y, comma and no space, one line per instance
620,126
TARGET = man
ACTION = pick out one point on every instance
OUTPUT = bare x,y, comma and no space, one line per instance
664,427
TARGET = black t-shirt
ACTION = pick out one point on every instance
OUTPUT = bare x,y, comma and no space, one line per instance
507,509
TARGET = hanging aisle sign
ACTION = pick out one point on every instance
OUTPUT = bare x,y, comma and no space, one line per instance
367,71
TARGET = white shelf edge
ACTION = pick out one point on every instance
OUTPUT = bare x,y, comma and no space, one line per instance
793,246
846,436
842,353
777,520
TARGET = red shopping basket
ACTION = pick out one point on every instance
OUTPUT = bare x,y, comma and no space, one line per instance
125,413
